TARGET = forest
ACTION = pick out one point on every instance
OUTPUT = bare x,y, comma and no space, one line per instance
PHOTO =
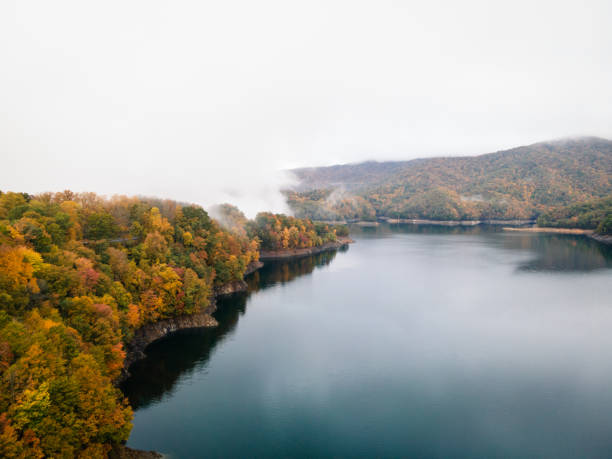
78,275
595,215
521,183
278,231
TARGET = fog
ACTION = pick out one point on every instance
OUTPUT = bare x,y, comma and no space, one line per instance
210,101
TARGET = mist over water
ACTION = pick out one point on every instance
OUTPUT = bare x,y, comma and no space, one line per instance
416,341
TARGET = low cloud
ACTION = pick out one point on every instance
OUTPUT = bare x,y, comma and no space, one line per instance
209,101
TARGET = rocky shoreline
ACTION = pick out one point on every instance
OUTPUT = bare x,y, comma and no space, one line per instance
151,332
268,255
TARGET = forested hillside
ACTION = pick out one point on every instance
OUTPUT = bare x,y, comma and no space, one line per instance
78,275
520,183
595,214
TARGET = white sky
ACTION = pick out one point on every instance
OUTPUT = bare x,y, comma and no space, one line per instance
206,101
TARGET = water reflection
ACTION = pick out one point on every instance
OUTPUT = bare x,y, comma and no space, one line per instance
560,253
187,351
549,252
281,272
388,230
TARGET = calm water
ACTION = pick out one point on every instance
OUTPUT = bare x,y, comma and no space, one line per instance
414,342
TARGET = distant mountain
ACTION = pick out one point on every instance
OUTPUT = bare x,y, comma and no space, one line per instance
519,183
349,176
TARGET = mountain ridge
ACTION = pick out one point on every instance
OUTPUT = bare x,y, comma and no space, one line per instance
375,162
520,182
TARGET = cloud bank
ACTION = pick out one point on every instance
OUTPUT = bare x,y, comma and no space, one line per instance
209,101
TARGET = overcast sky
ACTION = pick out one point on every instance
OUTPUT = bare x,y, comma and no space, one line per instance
205,101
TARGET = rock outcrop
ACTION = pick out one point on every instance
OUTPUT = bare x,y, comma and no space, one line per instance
150,332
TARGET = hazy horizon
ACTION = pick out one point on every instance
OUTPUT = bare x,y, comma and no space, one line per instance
466,155
212,102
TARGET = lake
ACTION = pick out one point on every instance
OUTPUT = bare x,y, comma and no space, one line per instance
414,342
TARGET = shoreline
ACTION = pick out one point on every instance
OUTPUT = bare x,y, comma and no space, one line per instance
545,229
154,331
125,452
425,221
269,255
151,332
603,238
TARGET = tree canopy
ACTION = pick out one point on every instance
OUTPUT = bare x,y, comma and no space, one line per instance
78,274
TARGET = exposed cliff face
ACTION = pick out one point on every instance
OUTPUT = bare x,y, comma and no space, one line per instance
252,267
148,333
151,332
231,287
